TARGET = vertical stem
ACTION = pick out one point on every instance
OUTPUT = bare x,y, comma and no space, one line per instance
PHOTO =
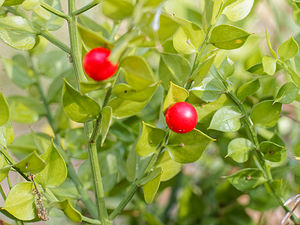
2,193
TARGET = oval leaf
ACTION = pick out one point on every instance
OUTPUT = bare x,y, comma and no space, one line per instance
248,89
33,163
288,49
175,94
269,65
287,93
238,10
272,151
239,148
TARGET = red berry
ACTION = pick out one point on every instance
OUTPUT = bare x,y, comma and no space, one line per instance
181,117
97,65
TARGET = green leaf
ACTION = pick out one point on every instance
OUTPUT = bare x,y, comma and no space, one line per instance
30,4
117,9
55,171
210,89
20,75
151,188
4,167
173,68
188,147
106,119
188,38
69,210
6,134
175,94
227,67
246,179
272,151
4,110
79,108
33,163
248,89
139,74
25,109
269,65
169,167
89,86
228,37
288,49
270,45
238,10
12,2
20,201
128,92
226,119
149,140
266,113
17,32
202,70
287,93
239,148
131,163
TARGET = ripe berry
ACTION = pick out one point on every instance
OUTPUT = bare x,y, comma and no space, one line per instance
181,117
97,65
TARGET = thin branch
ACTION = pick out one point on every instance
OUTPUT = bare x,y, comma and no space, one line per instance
86,8
54,11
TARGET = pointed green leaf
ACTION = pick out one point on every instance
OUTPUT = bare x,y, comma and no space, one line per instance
4,167
69,210
202,70
79,108
151,188
269,65
30,4
6,134
12,2
20,201
150,138
33,163
248,89
4,110
117,9
228,37
266,113
89,86
55,171
106,119
226,119
287,93
272,151
188,147
239,148
175,94
169,167
227,67
288,49
238,10
173,68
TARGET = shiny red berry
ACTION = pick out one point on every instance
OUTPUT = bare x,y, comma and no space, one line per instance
97,65
181,117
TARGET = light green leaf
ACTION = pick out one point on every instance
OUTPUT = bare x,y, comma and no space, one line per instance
272,151
269,65
117,9
226,119
288,49
20,201
4,110
188,147
89,86
33,163
17,32
25,109
188,38
150,138
169,167
287,93
246,179
266,113
106,119
55,171
228,37
202,70
227,67
270,45
30,4
239,148
79,108
139,74
238,10
173,68
12,2
6,134
69,210
128,92
175,94
20,75
151,188
4,167
248,89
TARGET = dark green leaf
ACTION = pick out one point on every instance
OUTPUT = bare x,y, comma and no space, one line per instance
248,89
272,151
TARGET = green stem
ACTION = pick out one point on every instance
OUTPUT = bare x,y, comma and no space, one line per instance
129,195
2,193
86,8
55,41
54,11
91,221
19,222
